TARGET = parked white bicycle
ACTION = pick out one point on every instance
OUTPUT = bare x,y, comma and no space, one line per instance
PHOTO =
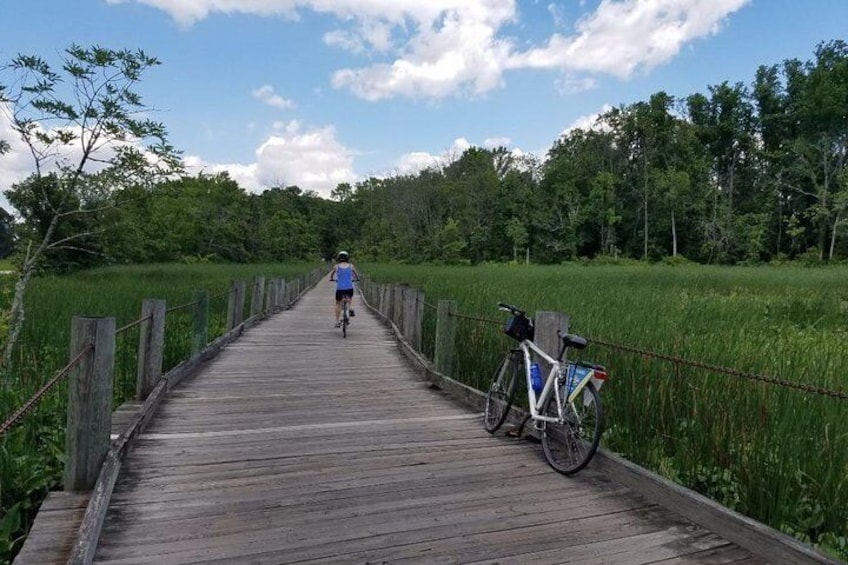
565,407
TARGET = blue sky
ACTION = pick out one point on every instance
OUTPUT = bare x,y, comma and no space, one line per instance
316,92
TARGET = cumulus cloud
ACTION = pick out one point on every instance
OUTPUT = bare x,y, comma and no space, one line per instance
18,163
588,122
622,37
267,95
444,47
311,158
416,161
15,165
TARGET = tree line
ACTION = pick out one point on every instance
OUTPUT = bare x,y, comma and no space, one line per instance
738,174
742,173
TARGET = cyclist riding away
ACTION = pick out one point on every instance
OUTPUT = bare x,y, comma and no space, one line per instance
344,273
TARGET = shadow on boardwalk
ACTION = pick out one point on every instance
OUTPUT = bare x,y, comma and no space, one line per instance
295,445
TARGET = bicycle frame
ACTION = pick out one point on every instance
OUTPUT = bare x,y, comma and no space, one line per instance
536,404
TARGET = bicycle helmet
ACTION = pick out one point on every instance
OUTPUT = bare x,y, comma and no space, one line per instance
342,256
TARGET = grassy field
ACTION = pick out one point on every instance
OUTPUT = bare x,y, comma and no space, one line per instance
31,455
773,453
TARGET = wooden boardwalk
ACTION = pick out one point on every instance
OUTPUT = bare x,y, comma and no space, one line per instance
295,445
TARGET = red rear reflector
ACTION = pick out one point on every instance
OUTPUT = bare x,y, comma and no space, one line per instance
600,375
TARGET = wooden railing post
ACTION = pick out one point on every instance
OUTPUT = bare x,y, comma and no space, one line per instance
445,335
151,346
417,318
386,300
89,401
282,297
257,297
397,308
200,335
235,307
547,324
269,295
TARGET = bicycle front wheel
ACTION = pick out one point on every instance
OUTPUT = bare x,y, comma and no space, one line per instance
570,444
501,393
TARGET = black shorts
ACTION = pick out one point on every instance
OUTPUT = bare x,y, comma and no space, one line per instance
340,294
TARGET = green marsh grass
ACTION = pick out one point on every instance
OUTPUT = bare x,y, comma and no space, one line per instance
775,454
31,455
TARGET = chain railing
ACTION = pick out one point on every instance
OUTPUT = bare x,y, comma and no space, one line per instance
390,300
18,415
30,404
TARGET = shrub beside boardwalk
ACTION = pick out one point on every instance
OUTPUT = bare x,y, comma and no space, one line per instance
777,454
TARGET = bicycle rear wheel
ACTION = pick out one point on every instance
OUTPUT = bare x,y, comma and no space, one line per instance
570,445
344,319
502,392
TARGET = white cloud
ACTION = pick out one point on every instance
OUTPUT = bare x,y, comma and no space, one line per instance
14,165
267,95
18,163
416,161
493,142
622,37
572,84
311,158
588,122
372,34
445,47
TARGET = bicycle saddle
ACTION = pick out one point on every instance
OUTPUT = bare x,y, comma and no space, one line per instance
575,341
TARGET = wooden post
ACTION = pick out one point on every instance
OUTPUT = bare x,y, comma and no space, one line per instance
445,335
151,346
283,297
257,297
269,295
409,297
547,324
235,308
200,335
386,299
397,309
89,419
417,318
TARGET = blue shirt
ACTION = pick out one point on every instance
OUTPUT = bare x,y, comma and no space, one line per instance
344,276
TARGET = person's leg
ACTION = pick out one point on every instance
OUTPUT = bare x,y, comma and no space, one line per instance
338,311
350,305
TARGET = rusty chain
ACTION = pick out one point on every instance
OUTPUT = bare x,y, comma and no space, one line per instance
32,402
477,319
723,370
122,329
426,304
842,395
182,306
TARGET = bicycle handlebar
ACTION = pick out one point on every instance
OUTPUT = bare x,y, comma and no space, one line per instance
514,310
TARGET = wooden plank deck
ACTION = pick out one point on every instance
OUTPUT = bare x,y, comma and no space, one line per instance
295,445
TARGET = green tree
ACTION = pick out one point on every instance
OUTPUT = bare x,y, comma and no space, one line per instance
103,116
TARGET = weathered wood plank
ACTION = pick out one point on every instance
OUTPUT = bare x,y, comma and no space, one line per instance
54,533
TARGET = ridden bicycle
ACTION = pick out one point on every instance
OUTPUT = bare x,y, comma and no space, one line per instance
565,407
345,317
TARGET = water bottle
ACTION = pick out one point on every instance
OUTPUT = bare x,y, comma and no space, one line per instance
535,377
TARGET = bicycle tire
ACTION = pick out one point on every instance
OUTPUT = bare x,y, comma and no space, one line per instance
569,446
344,319
501,393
